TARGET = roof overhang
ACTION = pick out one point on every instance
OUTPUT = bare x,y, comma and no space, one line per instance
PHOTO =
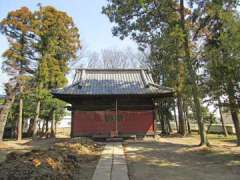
71,97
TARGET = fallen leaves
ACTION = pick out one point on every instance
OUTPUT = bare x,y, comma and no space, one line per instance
36,162
63,160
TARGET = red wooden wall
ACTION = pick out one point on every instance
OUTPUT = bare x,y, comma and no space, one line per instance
101,122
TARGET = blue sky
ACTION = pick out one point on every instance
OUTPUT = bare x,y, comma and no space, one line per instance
95,28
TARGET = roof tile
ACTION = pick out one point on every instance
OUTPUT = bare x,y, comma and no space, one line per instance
112,82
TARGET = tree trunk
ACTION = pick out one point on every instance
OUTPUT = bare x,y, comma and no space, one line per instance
162,123
53,123
175,118
182,126
201,126
209,126
236,124
46,126
20,116
192,78
6,109
30,128
187,122
43,128
234,110
169,125
188,126
221,119
35,129
166,125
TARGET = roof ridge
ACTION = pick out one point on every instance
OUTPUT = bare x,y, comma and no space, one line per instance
144,79
113,69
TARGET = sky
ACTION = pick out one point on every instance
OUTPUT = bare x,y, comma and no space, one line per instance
94,27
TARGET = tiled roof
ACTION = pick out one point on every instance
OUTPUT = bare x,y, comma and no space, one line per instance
112,82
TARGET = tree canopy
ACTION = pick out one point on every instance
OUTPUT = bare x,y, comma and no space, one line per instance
192,45
42,44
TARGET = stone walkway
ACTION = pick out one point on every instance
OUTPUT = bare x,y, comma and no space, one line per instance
112,164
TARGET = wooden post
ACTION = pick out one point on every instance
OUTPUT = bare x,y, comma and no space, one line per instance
155,119
116,119
72,124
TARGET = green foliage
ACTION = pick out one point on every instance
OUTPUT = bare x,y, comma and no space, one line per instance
48,105
1,101
221,51
166,106
142,20
208,116
58,45
42,43
30,102
175,34
18,29
209,25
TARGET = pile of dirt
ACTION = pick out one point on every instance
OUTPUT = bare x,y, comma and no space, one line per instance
64,160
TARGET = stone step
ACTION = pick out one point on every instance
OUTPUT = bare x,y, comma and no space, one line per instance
114,139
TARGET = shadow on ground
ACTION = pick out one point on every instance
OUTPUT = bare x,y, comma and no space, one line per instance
171,161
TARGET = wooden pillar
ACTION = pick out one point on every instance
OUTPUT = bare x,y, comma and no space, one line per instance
116,118
155,119
72,123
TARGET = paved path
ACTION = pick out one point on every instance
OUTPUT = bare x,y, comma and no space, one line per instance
112,164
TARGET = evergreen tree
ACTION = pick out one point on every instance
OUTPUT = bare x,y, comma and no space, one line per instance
154,25
17,26
41,45
146,21
57,46
222,56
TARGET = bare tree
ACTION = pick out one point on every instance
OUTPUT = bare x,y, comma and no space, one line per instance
94,60
114,59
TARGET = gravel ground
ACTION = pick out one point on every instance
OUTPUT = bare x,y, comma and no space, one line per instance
175,158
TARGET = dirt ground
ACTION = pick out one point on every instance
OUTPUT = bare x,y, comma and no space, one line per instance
176,158
60,158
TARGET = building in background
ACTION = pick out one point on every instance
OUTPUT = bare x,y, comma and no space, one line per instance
65,122
112,102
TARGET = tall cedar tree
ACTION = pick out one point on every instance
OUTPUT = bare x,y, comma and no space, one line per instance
145,21
168,67
221,54
155,25
57,46
192,74
18,58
